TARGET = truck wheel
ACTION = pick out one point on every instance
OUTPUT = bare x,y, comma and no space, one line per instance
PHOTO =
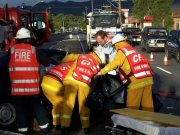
178,56
7,114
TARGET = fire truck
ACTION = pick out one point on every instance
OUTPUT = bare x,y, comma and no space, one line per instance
36,22
101,20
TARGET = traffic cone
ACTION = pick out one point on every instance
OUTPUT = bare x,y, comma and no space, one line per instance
151,57
165,62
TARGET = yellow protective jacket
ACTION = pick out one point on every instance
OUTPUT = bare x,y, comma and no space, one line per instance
121,61
74,57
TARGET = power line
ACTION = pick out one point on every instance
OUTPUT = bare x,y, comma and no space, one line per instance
111,3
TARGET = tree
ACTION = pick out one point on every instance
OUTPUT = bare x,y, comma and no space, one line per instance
160,10
51,23
68,21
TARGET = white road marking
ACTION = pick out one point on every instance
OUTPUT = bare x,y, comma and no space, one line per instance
164,70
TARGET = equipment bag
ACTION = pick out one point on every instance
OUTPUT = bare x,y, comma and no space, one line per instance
105,88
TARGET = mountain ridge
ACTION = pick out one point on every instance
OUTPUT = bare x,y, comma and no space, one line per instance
79,8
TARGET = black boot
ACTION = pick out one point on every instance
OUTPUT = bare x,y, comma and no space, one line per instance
86,130
46,130
65,131
56,128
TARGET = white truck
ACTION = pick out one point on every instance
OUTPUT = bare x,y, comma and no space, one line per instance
107,21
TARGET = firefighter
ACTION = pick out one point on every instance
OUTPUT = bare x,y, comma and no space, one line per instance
9,41
137,69
77,83
53,89
24,76
105,45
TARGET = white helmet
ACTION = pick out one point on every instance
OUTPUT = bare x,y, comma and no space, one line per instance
23,33
117,38
101,55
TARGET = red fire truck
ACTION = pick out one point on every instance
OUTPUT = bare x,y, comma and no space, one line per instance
36,22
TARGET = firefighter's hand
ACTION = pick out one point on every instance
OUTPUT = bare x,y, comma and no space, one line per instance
97,75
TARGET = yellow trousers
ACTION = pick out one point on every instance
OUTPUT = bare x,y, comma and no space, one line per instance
72,89
140,97
53,90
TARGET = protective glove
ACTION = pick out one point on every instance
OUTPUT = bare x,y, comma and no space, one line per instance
97,75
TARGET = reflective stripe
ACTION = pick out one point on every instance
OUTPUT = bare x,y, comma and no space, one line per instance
142,84
86,78
129,52
66,116
25,89
24,69
84,118
74,74
26,81
22,129
33,49
144,73
56,115
12,50
44,126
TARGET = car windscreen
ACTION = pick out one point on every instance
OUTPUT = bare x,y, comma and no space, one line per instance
157,32
104,20
134,30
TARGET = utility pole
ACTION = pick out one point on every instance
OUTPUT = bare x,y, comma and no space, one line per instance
92,5
119,8
85,11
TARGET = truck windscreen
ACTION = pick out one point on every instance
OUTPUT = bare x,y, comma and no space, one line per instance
104,21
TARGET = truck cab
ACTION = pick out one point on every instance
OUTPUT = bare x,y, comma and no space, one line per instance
36,22
106,21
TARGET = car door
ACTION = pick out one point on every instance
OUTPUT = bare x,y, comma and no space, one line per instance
176,41
171,42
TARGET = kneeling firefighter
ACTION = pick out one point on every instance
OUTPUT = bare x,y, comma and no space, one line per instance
53,89
77,83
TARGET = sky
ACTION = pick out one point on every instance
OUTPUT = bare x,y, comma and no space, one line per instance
15,3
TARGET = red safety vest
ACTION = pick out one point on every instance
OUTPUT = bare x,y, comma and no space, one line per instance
60,71
86,68
9,44
140,67
24,70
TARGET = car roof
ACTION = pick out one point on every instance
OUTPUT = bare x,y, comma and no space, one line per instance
175,31
131,28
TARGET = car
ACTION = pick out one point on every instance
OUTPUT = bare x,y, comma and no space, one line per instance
133,35
154,38
172,47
